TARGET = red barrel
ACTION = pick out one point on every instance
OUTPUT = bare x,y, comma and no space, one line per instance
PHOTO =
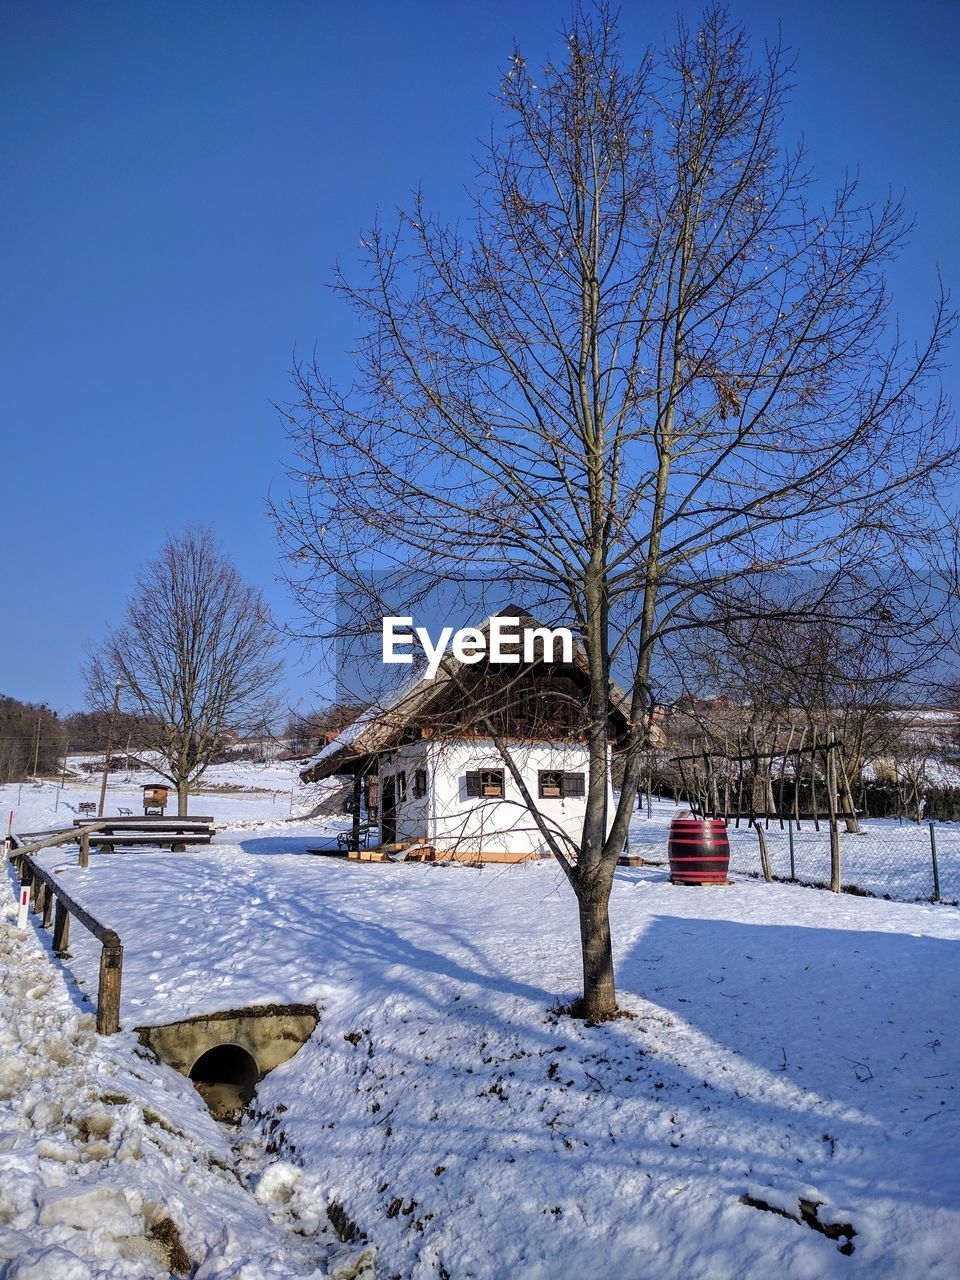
699,851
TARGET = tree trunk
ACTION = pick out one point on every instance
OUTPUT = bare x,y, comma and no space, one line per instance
183,798
770,803
599,988
847,809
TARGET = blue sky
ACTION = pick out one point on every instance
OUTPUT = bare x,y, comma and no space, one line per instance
178,182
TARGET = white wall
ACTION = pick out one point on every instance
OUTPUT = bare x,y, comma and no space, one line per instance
450,820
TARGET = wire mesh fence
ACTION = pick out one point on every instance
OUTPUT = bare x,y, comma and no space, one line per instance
906,861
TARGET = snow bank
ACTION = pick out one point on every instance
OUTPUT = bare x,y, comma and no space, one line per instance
110,1165
785,1041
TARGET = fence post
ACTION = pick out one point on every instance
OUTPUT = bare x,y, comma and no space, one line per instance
84,848
793,865
108,995
933,856
61,927
764,855
834,855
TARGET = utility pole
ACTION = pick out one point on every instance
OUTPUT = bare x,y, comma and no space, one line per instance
36,749
106,759
63,776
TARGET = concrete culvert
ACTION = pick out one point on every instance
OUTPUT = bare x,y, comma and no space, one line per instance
225,1077
225,1054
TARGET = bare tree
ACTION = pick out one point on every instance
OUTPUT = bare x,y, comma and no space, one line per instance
835,659
648,366
194,657
306,731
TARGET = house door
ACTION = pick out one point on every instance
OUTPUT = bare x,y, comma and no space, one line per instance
388,810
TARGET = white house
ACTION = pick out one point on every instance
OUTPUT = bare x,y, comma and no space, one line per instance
441,779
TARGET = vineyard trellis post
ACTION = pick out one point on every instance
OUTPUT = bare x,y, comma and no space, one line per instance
703,792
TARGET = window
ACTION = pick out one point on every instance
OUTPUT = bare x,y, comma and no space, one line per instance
419,784
557,785
486,783
551,784
401,787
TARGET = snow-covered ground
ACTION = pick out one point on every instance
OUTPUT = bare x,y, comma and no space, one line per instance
232,794
786,1045
111,1166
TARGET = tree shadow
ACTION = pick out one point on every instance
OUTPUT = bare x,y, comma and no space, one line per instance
280,844
843,1013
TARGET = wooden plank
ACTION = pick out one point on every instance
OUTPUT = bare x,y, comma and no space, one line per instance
160,839
67,836
146,820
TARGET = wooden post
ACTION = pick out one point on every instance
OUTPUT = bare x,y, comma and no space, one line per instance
936,868
793,860
754,769
61,928
48,901
831,770
106,762
813,783
709,781
850,811
797,776
108,995
783,769
357,791
764,853
84,848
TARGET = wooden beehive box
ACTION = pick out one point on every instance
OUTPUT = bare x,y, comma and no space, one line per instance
155,796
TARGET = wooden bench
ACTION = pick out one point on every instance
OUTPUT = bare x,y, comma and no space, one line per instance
135,840
141,832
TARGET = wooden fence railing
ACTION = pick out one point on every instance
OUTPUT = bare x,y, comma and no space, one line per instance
50,897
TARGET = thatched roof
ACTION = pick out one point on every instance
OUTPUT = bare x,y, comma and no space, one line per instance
381,727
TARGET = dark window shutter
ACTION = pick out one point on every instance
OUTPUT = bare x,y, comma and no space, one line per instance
573,785
474,786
